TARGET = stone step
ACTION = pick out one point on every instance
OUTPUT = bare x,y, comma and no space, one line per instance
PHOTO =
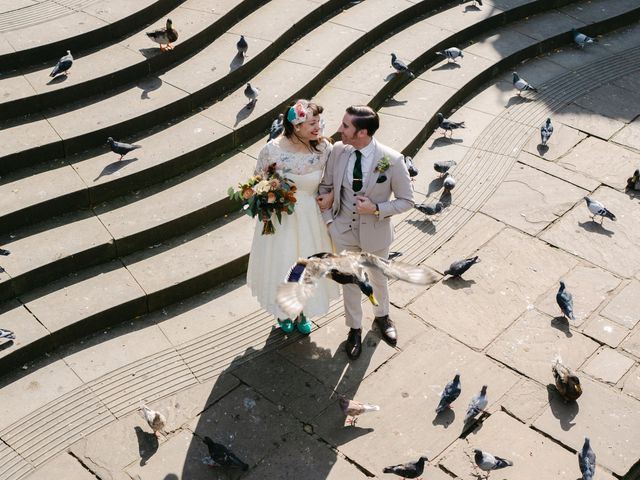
30,91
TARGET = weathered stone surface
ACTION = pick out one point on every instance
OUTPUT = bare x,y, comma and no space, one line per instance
632,344
629,136
564,138
604,330
576,178
62,466
525,400
623,308
493,99
607,365
631,384
612,101
26,327
587,121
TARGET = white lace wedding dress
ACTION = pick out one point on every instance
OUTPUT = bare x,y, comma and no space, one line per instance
301,234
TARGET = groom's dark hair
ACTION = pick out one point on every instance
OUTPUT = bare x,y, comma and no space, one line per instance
364,118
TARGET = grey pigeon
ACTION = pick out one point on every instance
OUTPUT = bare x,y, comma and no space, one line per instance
451,53
121,148
488,462
477,404
597,208
458,268
413,171
4,252
63,65
353,408
546,130
7,334
443,166
277,127
448,125
252,94
242,46
449,183
408,470
224,457
432,209
587,460
521,84
565,301
399,66
450,393
581,39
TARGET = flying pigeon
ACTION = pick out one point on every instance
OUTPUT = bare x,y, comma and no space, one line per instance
121,148
449,182
156,420
565,301
587,460
413,171
449,394
597,208
521,84
546,130
252,94
446,124
353,408
581,39
633,182
4,252
242,46
443,166
488,462
400,66
478,404
7,334
451,53
224,457
408,470
458,268
63,65
567,382
432,209
277,127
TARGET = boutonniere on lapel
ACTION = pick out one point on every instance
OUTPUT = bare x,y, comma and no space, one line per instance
383,165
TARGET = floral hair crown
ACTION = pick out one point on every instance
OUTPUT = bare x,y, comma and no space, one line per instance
299,112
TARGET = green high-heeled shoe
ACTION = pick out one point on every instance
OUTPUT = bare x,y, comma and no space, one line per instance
286,325
303,324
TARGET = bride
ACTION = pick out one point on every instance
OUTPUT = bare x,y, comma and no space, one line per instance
301,152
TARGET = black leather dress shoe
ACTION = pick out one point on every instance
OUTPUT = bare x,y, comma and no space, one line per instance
387,329
354,343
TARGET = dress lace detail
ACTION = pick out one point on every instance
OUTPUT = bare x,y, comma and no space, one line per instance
293,162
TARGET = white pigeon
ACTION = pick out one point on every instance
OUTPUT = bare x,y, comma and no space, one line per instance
477,404
488,462
451,53
597,208
546,130
580,38
353,408
521,84
156,420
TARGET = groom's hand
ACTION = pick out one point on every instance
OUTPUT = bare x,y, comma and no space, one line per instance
364,206
325,200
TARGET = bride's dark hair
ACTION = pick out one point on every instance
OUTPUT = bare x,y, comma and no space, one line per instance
289,129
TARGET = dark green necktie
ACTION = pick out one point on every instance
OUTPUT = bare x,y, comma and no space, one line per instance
357,172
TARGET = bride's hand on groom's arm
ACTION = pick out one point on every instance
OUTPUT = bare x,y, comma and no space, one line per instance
325,200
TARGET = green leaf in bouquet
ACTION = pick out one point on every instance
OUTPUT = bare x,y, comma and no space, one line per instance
279,216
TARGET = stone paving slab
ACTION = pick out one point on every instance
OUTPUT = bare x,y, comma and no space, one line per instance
62,466
576,178
525,401
18,319
632,344
621,308
12,463
563,140
605,331
612,101
629,135
588,121
632,383
608,366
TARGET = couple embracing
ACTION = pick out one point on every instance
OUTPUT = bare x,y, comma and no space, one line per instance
346,195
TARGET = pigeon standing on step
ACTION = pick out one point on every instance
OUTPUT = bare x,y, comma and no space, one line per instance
488,462
597,208
242,46
432,209
413,171
156,420
565,301
277,127
567,382
546,130
521,84
449,183
477,404
633,182
224,457
448,125
4,252
399,66
7,334
451,53
450,393
121,148
252,94
443,166
63,65
587,460
408,470
458,268
353,408
580,38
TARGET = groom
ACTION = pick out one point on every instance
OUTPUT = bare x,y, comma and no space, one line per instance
363,173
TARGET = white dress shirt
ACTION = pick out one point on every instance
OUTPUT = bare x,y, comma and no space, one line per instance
367,161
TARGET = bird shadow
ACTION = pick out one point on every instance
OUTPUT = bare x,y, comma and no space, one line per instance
390,77
562,324
392,102
425,225
244,112
149,52
435,185
114,167
237,62
147,445
149,85
542,149
58,79
565,412
444,418
458,283
443,142
518,100
6,345
595,227
471,8
448,66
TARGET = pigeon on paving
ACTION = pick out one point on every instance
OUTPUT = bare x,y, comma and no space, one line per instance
353,408
581,39
408,470
242,46
565,301
597,208
432,209
633,182
448,125
477,404
277,127
449,183
252,94
458,268
399,66
7,334
4,252
546,130
63,65
488,462
567,382
443,166
224,457
587,460
121,148
156,420
521,84
451,53
450,393
413,171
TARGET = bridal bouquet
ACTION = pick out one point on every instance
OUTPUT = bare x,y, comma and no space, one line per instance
265,195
